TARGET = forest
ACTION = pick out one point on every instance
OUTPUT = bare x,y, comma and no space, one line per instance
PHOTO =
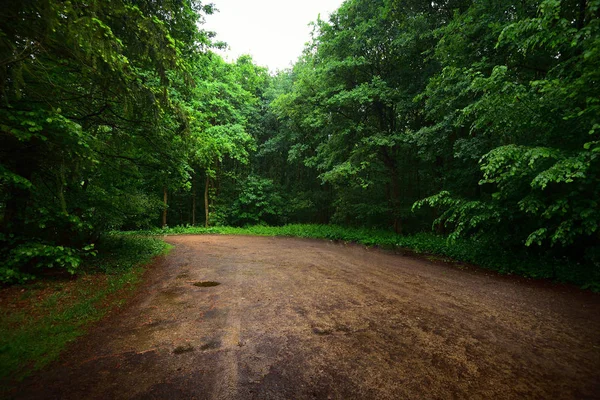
470,121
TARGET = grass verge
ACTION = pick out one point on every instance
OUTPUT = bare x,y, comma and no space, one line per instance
484,254
38,319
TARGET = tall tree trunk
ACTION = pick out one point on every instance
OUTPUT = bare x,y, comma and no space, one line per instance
206,187
395,200
164,214
581,17
62,183
193,199
394,193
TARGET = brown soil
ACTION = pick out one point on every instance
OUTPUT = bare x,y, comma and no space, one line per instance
305,319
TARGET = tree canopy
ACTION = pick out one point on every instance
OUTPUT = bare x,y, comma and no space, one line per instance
477,119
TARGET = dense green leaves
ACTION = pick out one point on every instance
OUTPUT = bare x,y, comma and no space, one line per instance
479,118
89,122
259,201
534,103
485,111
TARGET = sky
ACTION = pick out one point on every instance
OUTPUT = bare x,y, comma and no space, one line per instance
272,31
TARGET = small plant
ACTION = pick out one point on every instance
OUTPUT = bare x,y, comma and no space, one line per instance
23,261
258,202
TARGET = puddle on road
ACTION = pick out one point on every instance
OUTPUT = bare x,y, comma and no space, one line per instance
171,293
183,349
214,344
206,284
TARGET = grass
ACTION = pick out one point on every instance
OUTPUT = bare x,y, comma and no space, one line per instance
39,319
484,254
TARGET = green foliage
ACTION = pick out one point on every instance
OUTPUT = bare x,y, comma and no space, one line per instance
464,216
529,110
119,253
259,201
487,112
23,260
558,194
90,122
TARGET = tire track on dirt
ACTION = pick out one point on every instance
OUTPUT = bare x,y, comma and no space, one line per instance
227,387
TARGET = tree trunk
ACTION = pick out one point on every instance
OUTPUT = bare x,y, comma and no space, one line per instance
581,17
16,198
206,187
164,214
62,183
394,193
395,201
193,199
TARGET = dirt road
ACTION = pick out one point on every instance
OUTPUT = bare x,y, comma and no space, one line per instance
304,319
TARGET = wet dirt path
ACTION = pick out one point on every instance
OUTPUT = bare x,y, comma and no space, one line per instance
305,319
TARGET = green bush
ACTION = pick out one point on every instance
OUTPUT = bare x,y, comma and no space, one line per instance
259,202
23,260
119,253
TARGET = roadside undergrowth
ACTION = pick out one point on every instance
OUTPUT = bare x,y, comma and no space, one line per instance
38,319
476,252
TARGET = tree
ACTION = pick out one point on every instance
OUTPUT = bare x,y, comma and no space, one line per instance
353,101
531,118
84,114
